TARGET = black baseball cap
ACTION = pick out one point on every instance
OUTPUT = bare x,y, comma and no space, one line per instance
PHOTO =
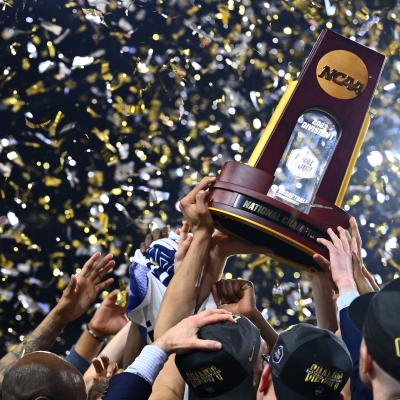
376,315
309,363
226,373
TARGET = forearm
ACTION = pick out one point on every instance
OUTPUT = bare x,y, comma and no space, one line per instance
267,332
87,346
114,350
213,272
42,338
133,346
169,384
325,307
9,359
45,335
183,289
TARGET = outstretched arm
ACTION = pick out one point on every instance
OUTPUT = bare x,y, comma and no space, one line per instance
325,306
115,350
341,262
237,296
180,298
75,301
322,285
108,320
182,293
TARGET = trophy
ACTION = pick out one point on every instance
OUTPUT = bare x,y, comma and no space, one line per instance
291,190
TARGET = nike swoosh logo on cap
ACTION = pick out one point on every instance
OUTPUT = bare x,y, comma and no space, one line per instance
251,355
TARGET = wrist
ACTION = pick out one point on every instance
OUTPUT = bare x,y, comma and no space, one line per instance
346,286
220,244
201,231
163,344
96,333
60,315
202,234
217,251
320,282
87,346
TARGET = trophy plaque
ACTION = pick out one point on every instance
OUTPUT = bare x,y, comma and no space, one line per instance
291,190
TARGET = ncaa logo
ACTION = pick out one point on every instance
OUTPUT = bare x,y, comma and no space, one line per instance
342,74
278,354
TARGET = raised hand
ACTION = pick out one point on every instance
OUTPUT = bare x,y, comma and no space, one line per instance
364,280
341,260
109,317
104,368
362,277
194,207
152,236
182,337
236,296
83,288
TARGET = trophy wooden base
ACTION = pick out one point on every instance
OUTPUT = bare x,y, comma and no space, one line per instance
240,206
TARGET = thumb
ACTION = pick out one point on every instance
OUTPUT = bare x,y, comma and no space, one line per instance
112,296
211,345
201,200
183,231
186,244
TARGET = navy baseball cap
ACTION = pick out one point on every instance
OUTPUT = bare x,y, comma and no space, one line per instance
309,363
376,315
226,374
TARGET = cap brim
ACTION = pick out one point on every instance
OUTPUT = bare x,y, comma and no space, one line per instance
283,392
358,310
393,286
244,391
